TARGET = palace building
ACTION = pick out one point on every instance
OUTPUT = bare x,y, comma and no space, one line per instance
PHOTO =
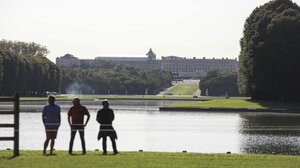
180,66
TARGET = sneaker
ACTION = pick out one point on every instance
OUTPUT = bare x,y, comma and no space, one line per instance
104,153
116,152
83,153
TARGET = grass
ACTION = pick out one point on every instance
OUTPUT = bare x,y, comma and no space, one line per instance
212,102
116,97
44,98
239,102
184,89
35,159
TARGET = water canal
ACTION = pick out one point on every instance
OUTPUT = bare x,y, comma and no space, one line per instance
140,125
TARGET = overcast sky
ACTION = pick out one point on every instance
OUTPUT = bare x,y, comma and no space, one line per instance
90,28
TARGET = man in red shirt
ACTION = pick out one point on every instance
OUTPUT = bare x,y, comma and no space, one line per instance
76,113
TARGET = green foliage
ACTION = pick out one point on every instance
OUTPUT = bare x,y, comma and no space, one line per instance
23,48
1,69
219,82
103,77
27,74
270,54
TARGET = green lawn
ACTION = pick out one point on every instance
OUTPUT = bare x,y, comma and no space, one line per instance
184,89
35,159
239,102
116,97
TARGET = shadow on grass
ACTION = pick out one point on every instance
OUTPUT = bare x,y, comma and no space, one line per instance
277,105
7,157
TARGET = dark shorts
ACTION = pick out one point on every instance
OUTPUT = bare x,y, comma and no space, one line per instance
51,133
106,131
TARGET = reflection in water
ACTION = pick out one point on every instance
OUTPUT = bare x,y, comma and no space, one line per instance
140,125
270,133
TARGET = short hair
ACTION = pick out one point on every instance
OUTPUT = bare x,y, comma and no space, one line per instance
76,99
51,97
105,101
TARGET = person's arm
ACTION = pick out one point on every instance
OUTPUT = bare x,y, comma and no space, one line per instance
59,118
97,117
69,118
87,120
88,117
44,116
113,115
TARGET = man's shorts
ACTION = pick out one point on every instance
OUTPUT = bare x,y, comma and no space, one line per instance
51,133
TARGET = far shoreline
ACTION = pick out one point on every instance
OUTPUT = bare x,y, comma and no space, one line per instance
230,110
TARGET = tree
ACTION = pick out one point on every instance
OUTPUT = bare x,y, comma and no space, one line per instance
270,55
219,82
99,77
29,75
1,69
24,48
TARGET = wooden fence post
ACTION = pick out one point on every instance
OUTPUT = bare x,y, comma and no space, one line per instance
15,125
16,122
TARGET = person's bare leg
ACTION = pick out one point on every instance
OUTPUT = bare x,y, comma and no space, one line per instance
46,145
51,146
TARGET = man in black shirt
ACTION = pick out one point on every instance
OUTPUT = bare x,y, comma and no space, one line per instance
105,116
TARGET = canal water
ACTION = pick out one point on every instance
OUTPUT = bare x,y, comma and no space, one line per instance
141,126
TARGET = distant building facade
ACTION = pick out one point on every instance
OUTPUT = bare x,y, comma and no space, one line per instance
179,66
197,67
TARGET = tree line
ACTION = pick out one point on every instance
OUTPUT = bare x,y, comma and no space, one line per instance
218,83
106,77
25,68
28,74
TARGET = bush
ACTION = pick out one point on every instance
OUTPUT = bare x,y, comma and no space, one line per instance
219,82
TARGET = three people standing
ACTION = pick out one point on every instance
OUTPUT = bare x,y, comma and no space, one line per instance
51,119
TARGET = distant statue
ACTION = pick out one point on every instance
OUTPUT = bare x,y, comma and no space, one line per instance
226,95
51,119
75,118
151,55
105,117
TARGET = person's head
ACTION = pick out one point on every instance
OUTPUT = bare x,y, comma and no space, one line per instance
51,100
76,101
105,103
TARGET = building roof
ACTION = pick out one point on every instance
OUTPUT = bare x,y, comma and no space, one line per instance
122,58
171,57
69,56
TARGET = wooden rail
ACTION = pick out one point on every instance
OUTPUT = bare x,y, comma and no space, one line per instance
16,100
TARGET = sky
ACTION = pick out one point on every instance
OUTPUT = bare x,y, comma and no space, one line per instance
91,28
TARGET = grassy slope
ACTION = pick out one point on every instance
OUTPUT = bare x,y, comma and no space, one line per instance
183,89
239,103
34,159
